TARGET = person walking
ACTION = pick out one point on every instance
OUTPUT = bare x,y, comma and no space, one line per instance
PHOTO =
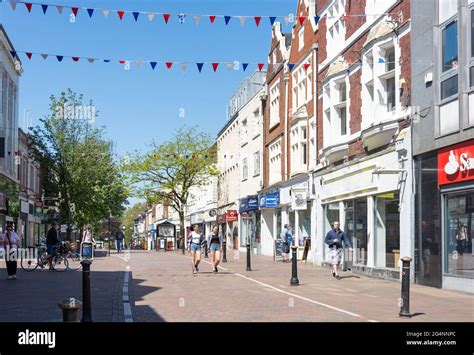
335,239
289,241
461,238
119,237
286,247
214,246
10,242
194,246
52,240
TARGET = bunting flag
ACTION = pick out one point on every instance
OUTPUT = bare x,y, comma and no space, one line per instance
260,66
242,20
59,58
199,65
74,10
291,66
13,53
107,60
28,6
75,59
287,20
197,19
60,9
272,20
244,66
45,8
227,19
106,13
138,63
122,61
306,66
135,16
153,65
151,16
316,19
13,5
45,56
28,54
120,14
184,66
166,17
301,20
214,66
257,20
91,60
169,64
90,12
212,18
230,66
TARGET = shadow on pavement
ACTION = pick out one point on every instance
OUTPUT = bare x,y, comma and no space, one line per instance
137,292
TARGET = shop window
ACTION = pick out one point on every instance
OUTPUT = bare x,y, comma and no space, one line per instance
449,60
458,234
387,230
360,230
331,213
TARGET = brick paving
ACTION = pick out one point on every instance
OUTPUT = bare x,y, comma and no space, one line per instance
34,296
163,288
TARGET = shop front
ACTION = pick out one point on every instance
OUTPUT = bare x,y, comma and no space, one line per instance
373,205
250,231
271,221
232,219
445,218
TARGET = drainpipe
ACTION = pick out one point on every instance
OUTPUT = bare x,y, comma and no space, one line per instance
315,101
286,153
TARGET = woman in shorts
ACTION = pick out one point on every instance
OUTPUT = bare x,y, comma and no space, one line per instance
214,246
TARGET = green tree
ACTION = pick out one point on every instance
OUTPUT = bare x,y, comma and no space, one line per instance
128,218
166,174
81,171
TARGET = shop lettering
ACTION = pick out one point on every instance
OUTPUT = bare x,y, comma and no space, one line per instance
466,162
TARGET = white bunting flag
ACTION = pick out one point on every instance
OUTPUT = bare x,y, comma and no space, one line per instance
44,56
13,4
60,9
106,13
151,15
184,66
138,63
287,20
197,19
91,60
230,66
242,20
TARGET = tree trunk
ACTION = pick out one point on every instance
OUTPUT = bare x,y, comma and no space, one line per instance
182,230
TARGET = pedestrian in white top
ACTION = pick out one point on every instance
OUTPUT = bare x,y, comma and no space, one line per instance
10,241
194,246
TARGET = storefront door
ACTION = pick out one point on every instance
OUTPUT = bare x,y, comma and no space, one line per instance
349,226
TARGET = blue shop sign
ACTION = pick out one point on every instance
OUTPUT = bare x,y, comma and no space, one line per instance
249,204
270,200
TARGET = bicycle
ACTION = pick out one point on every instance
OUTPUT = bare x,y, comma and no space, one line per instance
57,262
73,257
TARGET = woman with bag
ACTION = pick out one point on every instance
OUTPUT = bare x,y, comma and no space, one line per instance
10,242
214,246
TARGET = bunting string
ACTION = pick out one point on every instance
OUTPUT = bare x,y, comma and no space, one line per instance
90,12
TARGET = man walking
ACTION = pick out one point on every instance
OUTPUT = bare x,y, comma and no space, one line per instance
119,237
335,240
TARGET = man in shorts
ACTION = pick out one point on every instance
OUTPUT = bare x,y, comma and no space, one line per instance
335,240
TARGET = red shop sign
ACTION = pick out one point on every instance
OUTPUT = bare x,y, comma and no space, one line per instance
456,163
232,216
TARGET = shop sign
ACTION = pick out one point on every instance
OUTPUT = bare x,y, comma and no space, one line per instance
298,199
249,204
232,216
246,214
456,163
270,200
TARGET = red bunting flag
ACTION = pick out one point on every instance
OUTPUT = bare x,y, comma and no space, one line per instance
166,17
120,14
122,61
76,59
74,10
212,18
28,6
306,66
257,20
301,19
28,54
214,66
260,66
169,64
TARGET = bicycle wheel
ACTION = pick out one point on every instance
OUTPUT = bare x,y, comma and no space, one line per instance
73,261
29,264
59,263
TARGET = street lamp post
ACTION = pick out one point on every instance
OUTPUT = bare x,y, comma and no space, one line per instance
110,233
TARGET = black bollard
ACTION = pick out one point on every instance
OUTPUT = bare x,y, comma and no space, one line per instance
224,250
70,308
86,291
405,306
205,250
294,271
183,245
248,258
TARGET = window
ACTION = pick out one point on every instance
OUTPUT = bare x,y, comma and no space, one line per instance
301,81
274,104
245,169
336,30
257,123
390,59
471,76
304,154
343,118
2,147
256,164
387,230
299,154
301,38
449,76
275,161
390,89
244,132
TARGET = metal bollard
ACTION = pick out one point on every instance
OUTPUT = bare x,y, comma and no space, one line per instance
70,308
86,291
294,271
224,250
405,306
248,258
205,250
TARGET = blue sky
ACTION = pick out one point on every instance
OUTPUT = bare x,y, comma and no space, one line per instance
139,106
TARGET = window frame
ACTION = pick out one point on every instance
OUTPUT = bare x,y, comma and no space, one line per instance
274,98
471,48
245,169
450,73
256,163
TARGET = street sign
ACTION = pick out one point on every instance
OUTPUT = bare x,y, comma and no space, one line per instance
39,210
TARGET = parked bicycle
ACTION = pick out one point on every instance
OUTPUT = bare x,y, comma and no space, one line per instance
57,261
68,250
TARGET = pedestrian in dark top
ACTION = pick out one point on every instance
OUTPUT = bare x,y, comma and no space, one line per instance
52,238
119,237
214,245
335,240
9,243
